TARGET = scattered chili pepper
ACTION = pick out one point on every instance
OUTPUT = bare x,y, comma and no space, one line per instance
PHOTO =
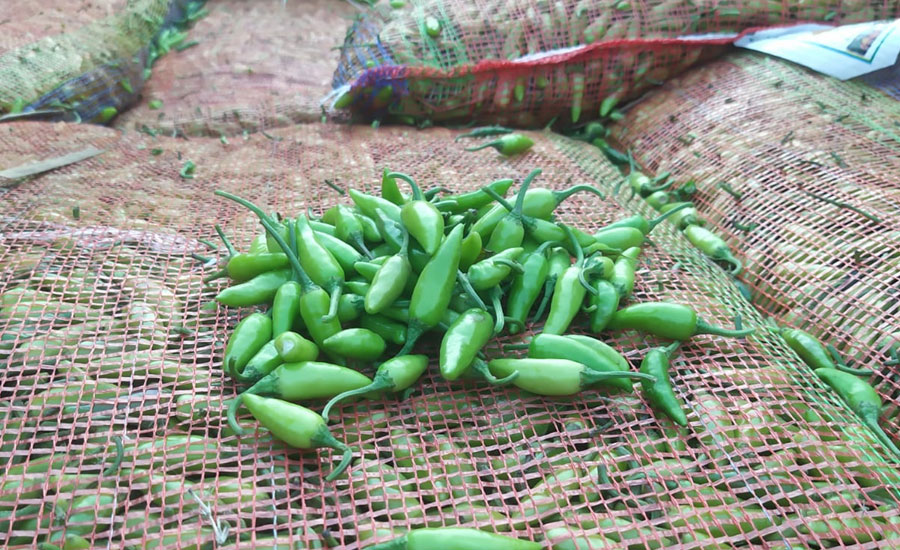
507,145
660,393
668,320
713,246
485,131
551,346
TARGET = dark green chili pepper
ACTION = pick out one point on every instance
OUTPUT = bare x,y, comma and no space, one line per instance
320,265
508,145
387,328
390,190
613,155
422,220
294,348
434,288
644,225
285,307
526,287
667,320
258,290
623,272
808,348
265,361
297,426
685,214
394,375
557,264
367,204
862,399
349,229
510,230
300,382
659,199
247,338
485,131
355,343
555,377
390,279
551,346
713,246
492,271
243,267
660,393
604,301
454,538
345,254
470,251
457,204
568,294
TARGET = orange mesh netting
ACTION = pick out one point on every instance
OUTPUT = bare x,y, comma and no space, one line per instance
257,65
813,163
106,339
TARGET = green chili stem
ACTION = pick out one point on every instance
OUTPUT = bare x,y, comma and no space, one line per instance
201,258
335,294
705,328
431,193
117,462
549,285
324,439
380,382
579,252
839,204
500,200
512,264
560,196
209,244
417,191
231,415
499,318
228,246
661,187
659,219
469,289
730,190
480,367
670,349
217,275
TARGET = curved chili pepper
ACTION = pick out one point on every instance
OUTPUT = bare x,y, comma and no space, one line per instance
300,382
265,361
660,393
623,272
394,375
390,279
557,264
667,320
526,287
345,254
258,290
658,199
713,246
320,265
456,204
390,190
355,343
367,204
454,538
551,346
556,377
389,329
285,307
392,231
293,348
247,338
349,229
243,267
434,288
508,145
685,214
644,225
568,294
470,251
604,301
540,203
492,271
862,399
297,426
463,340
808,347
510,230
423,221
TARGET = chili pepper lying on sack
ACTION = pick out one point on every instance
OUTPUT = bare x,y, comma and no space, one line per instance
507,145
454,538
666,320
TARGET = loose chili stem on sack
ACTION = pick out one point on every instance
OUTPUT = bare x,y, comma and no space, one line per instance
660,393
668,320
454,538
297,426
394,375
862,399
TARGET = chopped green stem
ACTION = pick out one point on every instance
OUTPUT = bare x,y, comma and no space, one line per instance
479,366
746,228
433,192
583,279
325,439
705,328
560,196
579,252
500,200
660,187
117,462
417,191
730,190
336,187
336,290
201,258
209,244
839,204
670,349
217,275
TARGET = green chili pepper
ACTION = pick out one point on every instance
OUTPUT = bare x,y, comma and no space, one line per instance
510,230
320,265
259,246
621,238
642,185
555,377
644,225
484,131
685,214
568,294
394,375
604,302
392,331
349,229
551,346
492,271
660,393
623,272
369,227
463,340
355,343
540,203
470,251
713,246
862,399
243,267
369,203
367,269
390,190
808,348
667,320
390,279
507,145
248,337
285,307
297,426
434,288
454,538
345,254
300,382
423,221
526,287
265,361
294,348
659,199
258,290
360,288
392,231
557,264
456,204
